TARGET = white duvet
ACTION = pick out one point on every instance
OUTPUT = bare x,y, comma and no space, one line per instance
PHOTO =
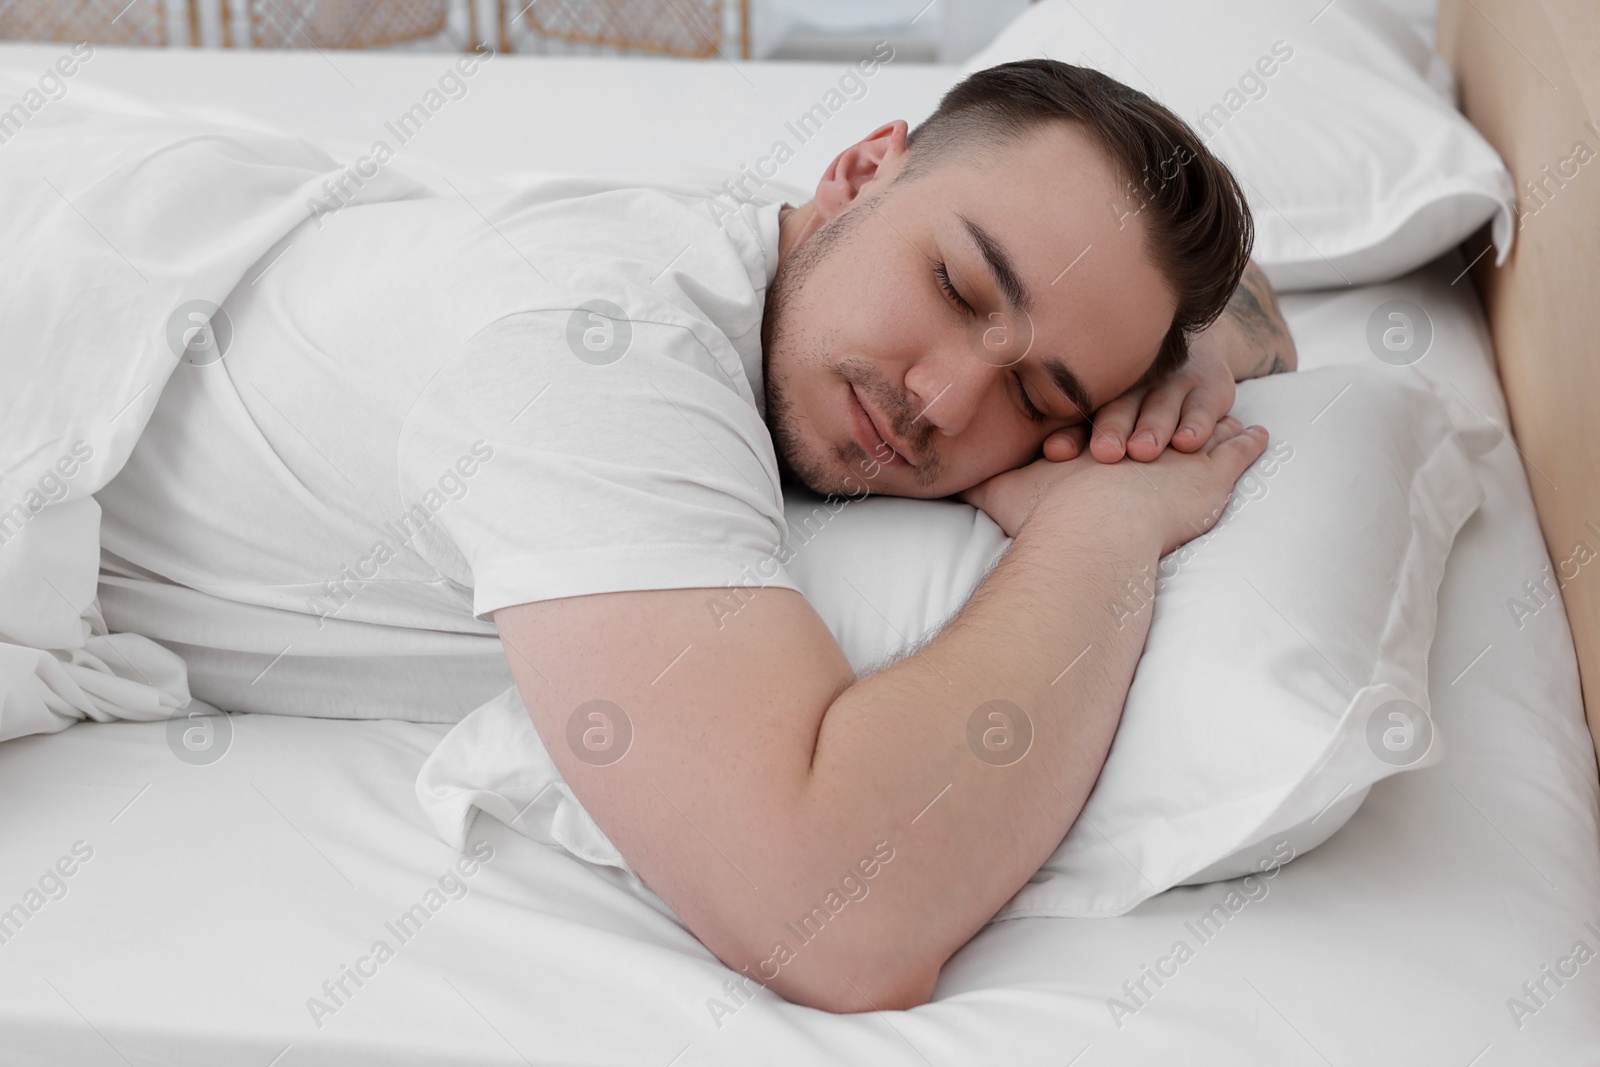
119,232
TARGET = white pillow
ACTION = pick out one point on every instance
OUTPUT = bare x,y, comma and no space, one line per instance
1259,712
1280,642
1343,131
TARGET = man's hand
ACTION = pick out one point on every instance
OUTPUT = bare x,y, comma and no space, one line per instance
1181,409
1248,340
1178,495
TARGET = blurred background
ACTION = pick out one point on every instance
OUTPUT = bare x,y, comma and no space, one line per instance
928,31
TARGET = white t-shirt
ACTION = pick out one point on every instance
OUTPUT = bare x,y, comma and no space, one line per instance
433,408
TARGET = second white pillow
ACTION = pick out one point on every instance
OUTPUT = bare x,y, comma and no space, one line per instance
1339,123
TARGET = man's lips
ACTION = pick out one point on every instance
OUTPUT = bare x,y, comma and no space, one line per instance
870,437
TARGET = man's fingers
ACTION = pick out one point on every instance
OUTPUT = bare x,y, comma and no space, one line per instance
1158,416
1195,424
1241,449
1066,444
1226,429
1113,424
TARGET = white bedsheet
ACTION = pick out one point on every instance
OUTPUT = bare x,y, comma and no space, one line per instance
218,899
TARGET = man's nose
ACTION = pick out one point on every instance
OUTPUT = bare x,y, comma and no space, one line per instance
949,381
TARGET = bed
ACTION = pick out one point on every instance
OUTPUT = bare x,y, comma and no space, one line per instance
211,905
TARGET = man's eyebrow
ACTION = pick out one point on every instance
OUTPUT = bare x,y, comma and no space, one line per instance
1069,384
1009,282
1004,272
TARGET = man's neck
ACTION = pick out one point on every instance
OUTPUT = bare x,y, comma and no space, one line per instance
792,224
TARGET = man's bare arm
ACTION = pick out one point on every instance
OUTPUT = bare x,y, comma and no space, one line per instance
839,839
1251,335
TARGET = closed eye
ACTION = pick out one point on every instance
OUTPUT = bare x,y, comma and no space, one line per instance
1033,413
942,273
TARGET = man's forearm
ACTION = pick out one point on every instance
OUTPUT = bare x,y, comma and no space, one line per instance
901,756
1251,334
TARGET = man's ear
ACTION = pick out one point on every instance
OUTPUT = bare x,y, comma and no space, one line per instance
878,155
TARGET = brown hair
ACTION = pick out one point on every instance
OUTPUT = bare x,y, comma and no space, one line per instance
1198,230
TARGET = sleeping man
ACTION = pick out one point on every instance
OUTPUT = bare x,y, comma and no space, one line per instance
441,445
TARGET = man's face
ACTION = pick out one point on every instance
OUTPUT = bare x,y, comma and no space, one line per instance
879,375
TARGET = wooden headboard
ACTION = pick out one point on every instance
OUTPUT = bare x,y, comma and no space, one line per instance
1529,76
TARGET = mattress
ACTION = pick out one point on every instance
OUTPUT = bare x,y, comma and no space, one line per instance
230,912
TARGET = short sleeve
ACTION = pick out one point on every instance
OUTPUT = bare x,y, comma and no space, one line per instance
553,467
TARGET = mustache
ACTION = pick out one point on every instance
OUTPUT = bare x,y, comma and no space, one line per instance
902,415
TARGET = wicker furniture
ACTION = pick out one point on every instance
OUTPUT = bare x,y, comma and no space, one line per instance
684,28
